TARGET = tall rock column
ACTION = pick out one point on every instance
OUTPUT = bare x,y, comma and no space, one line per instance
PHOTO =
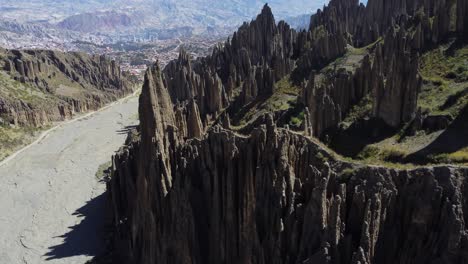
158,126
396,81
462,18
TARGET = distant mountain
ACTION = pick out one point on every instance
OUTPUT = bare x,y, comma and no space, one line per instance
59,24
92,22
299,22
86,15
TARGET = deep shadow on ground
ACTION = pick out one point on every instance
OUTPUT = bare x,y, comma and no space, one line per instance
351,141
451,140
126,130
87,237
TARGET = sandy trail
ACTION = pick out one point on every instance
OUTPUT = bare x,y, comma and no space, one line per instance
51,203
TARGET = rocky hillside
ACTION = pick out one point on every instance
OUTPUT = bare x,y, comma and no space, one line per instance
229,163
138,15
38,88
95,22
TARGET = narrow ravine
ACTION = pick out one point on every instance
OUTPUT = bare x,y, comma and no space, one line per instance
51,202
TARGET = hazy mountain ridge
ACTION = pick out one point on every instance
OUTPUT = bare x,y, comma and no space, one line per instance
158,13
60,25
91,22
299,22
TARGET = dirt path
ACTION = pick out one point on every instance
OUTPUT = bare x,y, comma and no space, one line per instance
51,203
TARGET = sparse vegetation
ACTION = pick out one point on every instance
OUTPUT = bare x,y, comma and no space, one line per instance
11,139
444,92
320,157
347,173
285,86
361,110
103,171
351,60
297,120
389,153
460,156
445,74
15,90
284,98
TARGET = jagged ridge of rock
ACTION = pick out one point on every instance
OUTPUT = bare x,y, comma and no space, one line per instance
262,52
395,98
185,84
275,197
407,28
329,100
367,23
245,68
189,187
59,85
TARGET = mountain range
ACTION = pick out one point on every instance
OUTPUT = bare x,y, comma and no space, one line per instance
149,13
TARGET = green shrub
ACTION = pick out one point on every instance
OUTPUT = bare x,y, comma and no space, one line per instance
297,120
103,170
320,157
347,173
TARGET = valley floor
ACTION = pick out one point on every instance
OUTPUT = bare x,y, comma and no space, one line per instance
51,201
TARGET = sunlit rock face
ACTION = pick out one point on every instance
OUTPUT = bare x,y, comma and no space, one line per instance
56,85
191,187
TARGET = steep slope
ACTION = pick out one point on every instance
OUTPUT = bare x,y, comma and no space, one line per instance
400,119
224,167
96,22
38,88
274,197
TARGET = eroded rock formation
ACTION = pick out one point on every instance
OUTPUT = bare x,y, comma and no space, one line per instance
277,197
329,98
62,84
324,48
190,187
395,80
462,21
273,196
365,24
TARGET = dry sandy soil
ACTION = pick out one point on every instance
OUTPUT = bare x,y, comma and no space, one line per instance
51,203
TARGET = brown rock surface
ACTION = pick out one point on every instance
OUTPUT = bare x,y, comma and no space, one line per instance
58,85
462,21
277,197
395,80
330,97
192,188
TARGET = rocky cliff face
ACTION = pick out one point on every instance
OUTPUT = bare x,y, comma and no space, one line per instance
407,27
256,48
243,69
330,97
59,85
367,23
462,22
35,66
324,48
190,187
395,80
185,84
277,197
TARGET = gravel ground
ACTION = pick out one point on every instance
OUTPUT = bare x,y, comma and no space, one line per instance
51,203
